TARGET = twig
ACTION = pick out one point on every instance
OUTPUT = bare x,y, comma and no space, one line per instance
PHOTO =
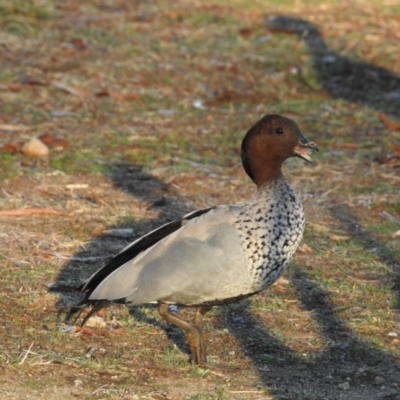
341,308
71,258
14,128
30,211
99,332
330,190
5,193
389,217
26,353
247,392
64,87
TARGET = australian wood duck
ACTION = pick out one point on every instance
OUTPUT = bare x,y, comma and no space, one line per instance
216,255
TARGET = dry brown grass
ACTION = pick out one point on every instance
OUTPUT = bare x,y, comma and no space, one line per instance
151,100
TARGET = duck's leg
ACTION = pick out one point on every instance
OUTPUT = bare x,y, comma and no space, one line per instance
198,321
198,317
194,336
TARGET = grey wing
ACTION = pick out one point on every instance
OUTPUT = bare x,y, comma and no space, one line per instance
202,261
131,251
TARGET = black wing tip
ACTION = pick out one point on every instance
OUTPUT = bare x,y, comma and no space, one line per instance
76,311
81,288
72,311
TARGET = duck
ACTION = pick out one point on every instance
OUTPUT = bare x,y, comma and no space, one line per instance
217,255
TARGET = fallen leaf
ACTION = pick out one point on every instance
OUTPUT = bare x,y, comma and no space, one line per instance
96,322
35,148
103,93
392,126
78,43
305,249
392,161
9,148
118,96
51,141
281,281
338,238
396,234
318,227
245,32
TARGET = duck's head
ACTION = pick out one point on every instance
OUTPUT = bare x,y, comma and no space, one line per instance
271,141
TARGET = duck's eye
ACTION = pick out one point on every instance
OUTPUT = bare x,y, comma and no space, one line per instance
279,130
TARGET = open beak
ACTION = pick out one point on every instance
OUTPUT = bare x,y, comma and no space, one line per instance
303,149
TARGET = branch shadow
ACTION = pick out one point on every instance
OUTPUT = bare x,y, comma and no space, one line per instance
344,358
351,223
352,80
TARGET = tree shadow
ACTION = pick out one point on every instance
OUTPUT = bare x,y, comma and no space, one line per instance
352,80
351,223
344,359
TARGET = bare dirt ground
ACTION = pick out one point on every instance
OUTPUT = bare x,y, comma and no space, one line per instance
143,106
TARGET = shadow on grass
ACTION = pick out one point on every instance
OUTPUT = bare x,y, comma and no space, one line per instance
353,226
352,80
344,359
141,186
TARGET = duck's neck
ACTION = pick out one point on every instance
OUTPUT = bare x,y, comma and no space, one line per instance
263,174
271,189
265,184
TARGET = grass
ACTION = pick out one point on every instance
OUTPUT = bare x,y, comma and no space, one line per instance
131,76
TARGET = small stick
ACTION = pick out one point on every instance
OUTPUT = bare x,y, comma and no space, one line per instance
99,332
26,353
30,211
247,392
341,308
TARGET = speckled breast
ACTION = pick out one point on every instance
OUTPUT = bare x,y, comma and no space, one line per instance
271,226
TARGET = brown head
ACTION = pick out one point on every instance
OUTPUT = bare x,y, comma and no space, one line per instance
271,141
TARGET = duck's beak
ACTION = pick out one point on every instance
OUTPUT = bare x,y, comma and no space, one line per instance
303,149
